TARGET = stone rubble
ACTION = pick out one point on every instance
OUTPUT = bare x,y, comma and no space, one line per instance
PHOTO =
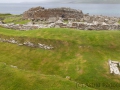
19,27
76,25
27,43
13,66
114,67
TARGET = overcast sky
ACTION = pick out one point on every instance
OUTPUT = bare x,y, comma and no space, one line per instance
18,1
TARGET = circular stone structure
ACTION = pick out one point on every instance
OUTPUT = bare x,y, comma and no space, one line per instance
42,13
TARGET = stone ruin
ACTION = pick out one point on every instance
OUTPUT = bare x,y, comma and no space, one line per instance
52,15
27,43
19,26
70,18
114,67
40,13
64,18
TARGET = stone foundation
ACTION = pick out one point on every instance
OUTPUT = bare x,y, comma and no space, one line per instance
27,43
74,25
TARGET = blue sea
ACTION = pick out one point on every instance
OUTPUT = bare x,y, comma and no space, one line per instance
92,9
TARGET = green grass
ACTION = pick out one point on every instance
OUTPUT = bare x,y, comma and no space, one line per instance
3,16
82,55
16,19
119,21
65,21
17,79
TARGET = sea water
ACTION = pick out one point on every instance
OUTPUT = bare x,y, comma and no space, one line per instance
92,9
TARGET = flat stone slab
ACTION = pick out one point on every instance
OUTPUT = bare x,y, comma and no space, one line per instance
114,67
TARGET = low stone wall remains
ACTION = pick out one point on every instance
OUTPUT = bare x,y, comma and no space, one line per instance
75,25
27,43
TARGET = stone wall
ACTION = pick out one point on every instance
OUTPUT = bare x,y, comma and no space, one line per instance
99,18
88,26
27,43
61,24
19,27
39,13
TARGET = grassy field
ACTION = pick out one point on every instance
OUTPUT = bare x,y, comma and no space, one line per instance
18,79
3,16
81,55
16,19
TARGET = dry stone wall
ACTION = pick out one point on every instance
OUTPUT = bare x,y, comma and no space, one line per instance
27,43
60,24
100,19
19,27
39,13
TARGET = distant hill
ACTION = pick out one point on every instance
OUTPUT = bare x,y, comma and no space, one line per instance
78,1
89,1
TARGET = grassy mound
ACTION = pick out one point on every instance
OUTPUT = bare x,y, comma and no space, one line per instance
81,55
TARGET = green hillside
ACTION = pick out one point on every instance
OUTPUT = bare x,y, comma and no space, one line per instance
80,55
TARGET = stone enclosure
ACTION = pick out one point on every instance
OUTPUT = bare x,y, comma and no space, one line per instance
40,13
